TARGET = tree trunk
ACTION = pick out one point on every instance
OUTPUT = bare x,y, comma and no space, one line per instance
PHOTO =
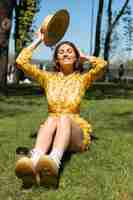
6,10
111,25
24,14
109,32
98,28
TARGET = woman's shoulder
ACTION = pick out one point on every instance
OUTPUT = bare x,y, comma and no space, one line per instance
50,73
85,70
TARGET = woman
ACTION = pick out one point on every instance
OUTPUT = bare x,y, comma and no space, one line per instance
64,129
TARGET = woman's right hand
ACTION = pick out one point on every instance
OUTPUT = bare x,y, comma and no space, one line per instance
38,40
40,35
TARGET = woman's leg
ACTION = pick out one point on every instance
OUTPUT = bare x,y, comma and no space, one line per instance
63,133
46,134
67,134
44,139
25,166
76,140
68,137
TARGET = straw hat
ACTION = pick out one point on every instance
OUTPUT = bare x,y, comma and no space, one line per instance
54,27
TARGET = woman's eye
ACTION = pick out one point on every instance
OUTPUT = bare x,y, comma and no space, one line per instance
69,50
61,52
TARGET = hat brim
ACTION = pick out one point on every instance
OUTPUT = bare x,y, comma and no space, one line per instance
56,27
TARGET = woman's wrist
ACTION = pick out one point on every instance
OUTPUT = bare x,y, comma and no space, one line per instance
35,44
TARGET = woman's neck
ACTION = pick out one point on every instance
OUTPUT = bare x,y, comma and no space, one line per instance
67,71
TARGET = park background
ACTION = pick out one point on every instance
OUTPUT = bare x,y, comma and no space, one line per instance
100,29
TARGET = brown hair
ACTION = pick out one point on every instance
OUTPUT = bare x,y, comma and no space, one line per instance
77,65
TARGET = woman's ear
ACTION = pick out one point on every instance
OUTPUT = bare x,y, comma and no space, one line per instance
57,65
56,62
76,64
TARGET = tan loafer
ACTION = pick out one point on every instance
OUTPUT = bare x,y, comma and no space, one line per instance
48,171
25,171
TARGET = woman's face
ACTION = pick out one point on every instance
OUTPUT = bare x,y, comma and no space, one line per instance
66,57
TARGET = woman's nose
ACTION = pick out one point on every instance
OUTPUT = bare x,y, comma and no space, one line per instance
65,55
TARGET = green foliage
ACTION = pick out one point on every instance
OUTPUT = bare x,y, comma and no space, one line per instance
25,12
130,63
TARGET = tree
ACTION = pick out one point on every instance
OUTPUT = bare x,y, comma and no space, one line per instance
111,25
98,28
128,31
25,11
6,11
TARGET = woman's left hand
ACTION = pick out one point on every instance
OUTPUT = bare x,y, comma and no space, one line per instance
83,56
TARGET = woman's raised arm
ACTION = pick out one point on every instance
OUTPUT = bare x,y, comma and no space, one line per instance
98,68
24,58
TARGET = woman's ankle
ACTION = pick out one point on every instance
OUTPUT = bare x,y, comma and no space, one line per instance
35,155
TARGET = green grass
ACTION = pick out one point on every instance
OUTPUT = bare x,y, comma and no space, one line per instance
104,172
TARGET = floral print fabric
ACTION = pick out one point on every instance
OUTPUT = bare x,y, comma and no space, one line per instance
64,92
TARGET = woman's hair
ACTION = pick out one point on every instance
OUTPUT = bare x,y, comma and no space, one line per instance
77,65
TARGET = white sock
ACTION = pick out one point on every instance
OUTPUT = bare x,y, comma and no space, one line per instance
56,155
35,155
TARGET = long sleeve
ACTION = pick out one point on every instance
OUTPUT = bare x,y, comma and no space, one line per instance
23,62
97,70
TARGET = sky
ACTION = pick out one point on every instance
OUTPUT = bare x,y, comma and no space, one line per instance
81,30
79,27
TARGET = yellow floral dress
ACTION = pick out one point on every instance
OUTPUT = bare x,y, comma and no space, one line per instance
64,92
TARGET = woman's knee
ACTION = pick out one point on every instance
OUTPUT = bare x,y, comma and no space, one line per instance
64,119
52,121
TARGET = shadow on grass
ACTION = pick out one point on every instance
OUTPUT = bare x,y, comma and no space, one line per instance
121,121
21,101
100,96
98,91
65,160
21,90
16,105
124,114
12,112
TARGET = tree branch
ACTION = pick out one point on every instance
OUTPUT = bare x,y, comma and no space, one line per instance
120,13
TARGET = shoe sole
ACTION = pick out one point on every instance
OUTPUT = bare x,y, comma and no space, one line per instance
48,172
25,172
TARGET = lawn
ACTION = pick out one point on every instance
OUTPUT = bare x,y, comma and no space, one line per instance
104,172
